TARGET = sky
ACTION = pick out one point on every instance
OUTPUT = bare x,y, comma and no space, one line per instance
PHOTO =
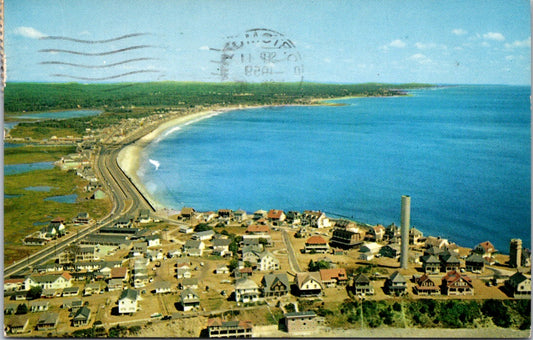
440,42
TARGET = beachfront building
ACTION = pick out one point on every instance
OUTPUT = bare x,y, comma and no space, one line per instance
375,233
347,234
315,219
361,285
454,283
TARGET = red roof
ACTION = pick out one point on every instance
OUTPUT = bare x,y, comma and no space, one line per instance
13,281
487,246
119,272
66,275
333,273
256,228
275,214
454,276
316,240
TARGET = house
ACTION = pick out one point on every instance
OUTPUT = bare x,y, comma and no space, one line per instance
519,286
225,213
276,216
72,304
184,270
53,281
396,284
257,229
449,262
347,234
223,269
82,218
139,249
485,249
119,273
11,285
369,250
426,286
115,284
259,214
333,276
189,300
187,213
430,264
361,285
186,229
153,240
438,242
162,287
48,268
81,317
203,235
144,216
127,302
474,263
293,217
154,254
92,288
415,236
39,306
244,272
123,222
56,228
246,290
240,215
34,241
316,244
391,250
454,283
267,261
301,322
17,324
221,247
229,329
47,321
316,219
49,293
275,285
71,291
10,309
375,233
309,284
251,244
189,283
193,247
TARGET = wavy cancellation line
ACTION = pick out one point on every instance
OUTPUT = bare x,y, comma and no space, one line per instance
104,78
95,66
55,50
95,41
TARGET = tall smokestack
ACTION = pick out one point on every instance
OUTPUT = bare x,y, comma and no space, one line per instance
406,215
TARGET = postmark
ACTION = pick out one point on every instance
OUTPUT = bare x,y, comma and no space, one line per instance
258,55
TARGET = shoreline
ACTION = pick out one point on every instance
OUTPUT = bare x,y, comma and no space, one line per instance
129,157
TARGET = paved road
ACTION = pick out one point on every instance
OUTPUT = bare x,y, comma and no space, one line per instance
290,250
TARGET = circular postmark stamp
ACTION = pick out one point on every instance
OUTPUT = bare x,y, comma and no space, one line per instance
259,55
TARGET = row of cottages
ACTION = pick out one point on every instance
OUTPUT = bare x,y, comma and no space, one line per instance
436,260
346,234
217,328
396,284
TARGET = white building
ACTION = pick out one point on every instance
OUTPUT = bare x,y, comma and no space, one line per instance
246,291
127,303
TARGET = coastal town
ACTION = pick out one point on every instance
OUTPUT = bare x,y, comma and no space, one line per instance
235,273
144,270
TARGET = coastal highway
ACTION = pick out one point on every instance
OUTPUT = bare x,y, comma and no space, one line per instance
127,201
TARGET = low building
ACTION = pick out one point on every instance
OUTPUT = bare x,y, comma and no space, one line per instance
48,321
454,283
203,235
49,281
519,286
240,215
391,250
361,285
39,306
369,250
92,288
189,283
75,253
82,317
375,233
301,322
17,324
115,284
162,287
426,286
71,291
11,285
276,216
229,329
193,247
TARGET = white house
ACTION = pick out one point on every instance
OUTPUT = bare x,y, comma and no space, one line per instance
189,300
369,250
246,291
153,240
267,261
127,303
186,229
162,287
316,219
203,235
49,281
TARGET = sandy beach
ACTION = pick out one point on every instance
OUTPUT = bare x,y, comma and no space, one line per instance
128,158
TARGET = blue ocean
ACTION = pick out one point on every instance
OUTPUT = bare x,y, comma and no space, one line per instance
462,153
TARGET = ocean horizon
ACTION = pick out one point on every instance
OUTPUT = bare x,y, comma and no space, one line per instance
461,152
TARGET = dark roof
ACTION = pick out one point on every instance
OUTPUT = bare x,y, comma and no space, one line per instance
82,314
397,277
131,294
361,279
270,279
293,315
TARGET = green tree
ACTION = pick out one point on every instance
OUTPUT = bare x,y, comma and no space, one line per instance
34,292
22,309
497,310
